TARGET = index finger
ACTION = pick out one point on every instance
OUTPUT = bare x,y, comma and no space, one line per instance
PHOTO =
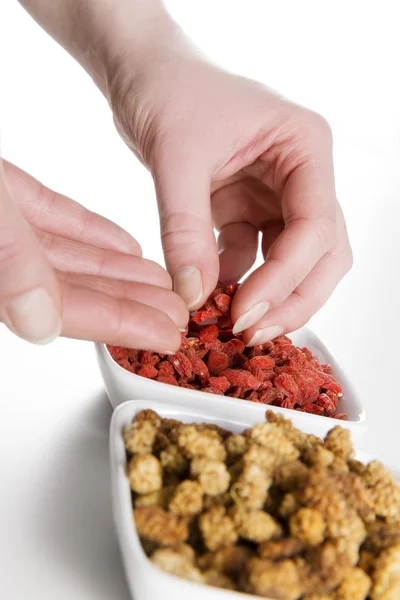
309,212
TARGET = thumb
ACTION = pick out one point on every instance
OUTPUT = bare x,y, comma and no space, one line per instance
187,232
30,303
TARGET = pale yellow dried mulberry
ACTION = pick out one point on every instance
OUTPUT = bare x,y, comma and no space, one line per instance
145,474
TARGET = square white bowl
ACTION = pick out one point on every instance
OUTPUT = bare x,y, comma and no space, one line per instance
146,581
121,386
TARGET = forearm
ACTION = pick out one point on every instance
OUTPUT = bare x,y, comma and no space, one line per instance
99,33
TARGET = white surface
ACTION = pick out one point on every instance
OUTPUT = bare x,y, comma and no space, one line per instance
146,581
122,386
340,58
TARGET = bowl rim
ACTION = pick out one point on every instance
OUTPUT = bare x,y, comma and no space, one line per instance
362,415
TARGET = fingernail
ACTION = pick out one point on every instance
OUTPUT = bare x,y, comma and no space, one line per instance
188,284
34,316
265,335
250,317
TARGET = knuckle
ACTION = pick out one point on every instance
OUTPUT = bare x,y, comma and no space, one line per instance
177,233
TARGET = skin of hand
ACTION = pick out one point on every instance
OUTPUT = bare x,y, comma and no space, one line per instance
227,152
67,271
224,151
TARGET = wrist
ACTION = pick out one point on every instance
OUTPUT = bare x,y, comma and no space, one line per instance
123,39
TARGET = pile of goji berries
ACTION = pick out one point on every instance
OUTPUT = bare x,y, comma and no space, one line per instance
212,359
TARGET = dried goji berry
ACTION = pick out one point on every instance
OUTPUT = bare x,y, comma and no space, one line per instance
285,382
327,369
253,396
223,303
233,347
165,368
217,362
232,289
148,371
184,342
266,385
287,402
310,407
206,315
236,392
199,367
118,352
170,379
341,415
182,365
208,334
225,322
241,378
220,383
124,363
263,362
331,384
149,358
238,361
326,403
268,396
213,390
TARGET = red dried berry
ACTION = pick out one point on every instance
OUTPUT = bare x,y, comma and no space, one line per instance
220,383
253,397
331,384
312,408
208,334
268,396
233,347
327,403
285,382
124,363
165,368
199,367
241,378
217,362
288,402
223,303
118,352
206,315
236,392
184,342
170,379
232,289
263,362
327,369
342,416
213,390
225,322
149,358
182,365
148,371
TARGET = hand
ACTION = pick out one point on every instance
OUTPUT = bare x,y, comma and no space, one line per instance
225,150
65,270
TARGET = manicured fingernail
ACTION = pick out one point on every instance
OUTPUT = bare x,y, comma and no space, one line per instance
265,335
34,316
188,284
250,317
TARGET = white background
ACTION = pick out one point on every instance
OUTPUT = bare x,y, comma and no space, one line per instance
339,58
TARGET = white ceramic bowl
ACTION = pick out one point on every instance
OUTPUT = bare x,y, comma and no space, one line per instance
121,386
146,581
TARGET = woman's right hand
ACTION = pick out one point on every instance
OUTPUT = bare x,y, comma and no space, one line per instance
67,271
